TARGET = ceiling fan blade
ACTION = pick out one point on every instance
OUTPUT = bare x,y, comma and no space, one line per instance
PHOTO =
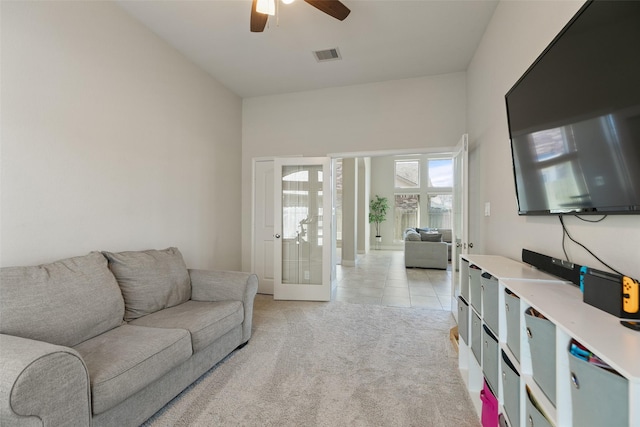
333,8
258,20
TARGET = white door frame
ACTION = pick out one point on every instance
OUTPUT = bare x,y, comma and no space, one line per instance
461,160
333,156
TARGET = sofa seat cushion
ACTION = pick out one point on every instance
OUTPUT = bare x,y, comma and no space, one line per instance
150,280
126,359
206,321
64,303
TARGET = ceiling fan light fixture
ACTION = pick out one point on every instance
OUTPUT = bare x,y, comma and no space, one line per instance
267,7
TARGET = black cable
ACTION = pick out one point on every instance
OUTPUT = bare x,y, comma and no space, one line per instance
566,232
589,220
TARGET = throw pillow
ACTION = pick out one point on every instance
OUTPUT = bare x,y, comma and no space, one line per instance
412,237
150,280
430,237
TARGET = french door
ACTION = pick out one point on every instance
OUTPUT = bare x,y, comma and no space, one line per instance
302,228
460,230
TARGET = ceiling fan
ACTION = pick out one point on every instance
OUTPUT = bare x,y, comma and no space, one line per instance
261,9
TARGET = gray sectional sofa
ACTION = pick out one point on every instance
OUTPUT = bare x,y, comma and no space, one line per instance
427,248
107,339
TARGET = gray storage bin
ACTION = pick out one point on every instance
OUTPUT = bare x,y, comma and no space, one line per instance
542,343
512,310
476,337
598,397
490,358
474,288
464,280
463,320
489,286
511,390
534,418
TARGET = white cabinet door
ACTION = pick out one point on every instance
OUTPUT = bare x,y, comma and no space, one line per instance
263,225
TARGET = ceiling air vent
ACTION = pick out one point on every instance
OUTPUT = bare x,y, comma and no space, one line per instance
327,55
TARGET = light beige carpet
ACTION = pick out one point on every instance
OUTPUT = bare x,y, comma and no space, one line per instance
332,364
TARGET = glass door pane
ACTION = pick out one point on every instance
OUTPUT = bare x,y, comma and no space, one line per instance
302,243
302,232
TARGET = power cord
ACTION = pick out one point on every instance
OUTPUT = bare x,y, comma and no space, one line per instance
565,232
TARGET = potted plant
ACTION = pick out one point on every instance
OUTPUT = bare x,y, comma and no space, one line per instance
378,208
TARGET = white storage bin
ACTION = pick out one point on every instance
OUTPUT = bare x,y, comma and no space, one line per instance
533,417
475,291
490,358
542,343
476,337
511,390
464,280
463,320
592,395
489,287
512,311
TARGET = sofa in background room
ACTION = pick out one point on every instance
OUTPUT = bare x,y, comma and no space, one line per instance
425,248
107,339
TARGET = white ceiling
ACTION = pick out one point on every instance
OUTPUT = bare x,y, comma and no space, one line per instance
380,40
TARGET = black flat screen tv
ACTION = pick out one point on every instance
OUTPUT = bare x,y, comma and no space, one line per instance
574,117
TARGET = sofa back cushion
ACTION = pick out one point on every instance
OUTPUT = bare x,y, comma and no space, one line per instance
446,234
430,237
150,280
411,235
63,303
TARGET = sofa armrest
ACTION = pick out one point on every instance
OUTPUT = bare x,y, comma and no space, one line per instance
209,285
42,384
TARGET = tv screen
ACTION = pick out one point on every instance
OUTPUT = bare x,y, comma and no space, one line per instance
574,117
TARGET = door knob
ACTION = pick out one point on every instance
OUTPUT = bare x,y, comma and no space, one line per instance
277,236
470,245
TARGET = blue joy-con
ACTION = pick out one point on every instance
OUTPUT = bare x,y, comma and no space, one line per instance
583,272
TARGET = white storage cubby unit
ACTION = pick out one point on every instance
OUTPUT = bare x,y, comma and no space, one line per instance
532,357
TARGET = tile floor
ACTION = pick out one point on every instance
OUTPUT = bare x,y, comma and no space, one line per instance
381,278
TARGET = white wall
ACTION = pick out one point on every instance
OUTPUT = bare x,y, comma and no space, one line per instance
364,190
112,140
401,114
517,34
382,184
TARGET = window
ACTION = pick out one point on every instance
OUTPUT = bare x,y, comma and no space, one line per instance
423,193
407,174
440,173
440,209
406,213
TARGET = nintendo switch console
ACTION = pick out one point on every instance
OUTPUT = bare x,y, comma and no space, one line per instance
615,294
